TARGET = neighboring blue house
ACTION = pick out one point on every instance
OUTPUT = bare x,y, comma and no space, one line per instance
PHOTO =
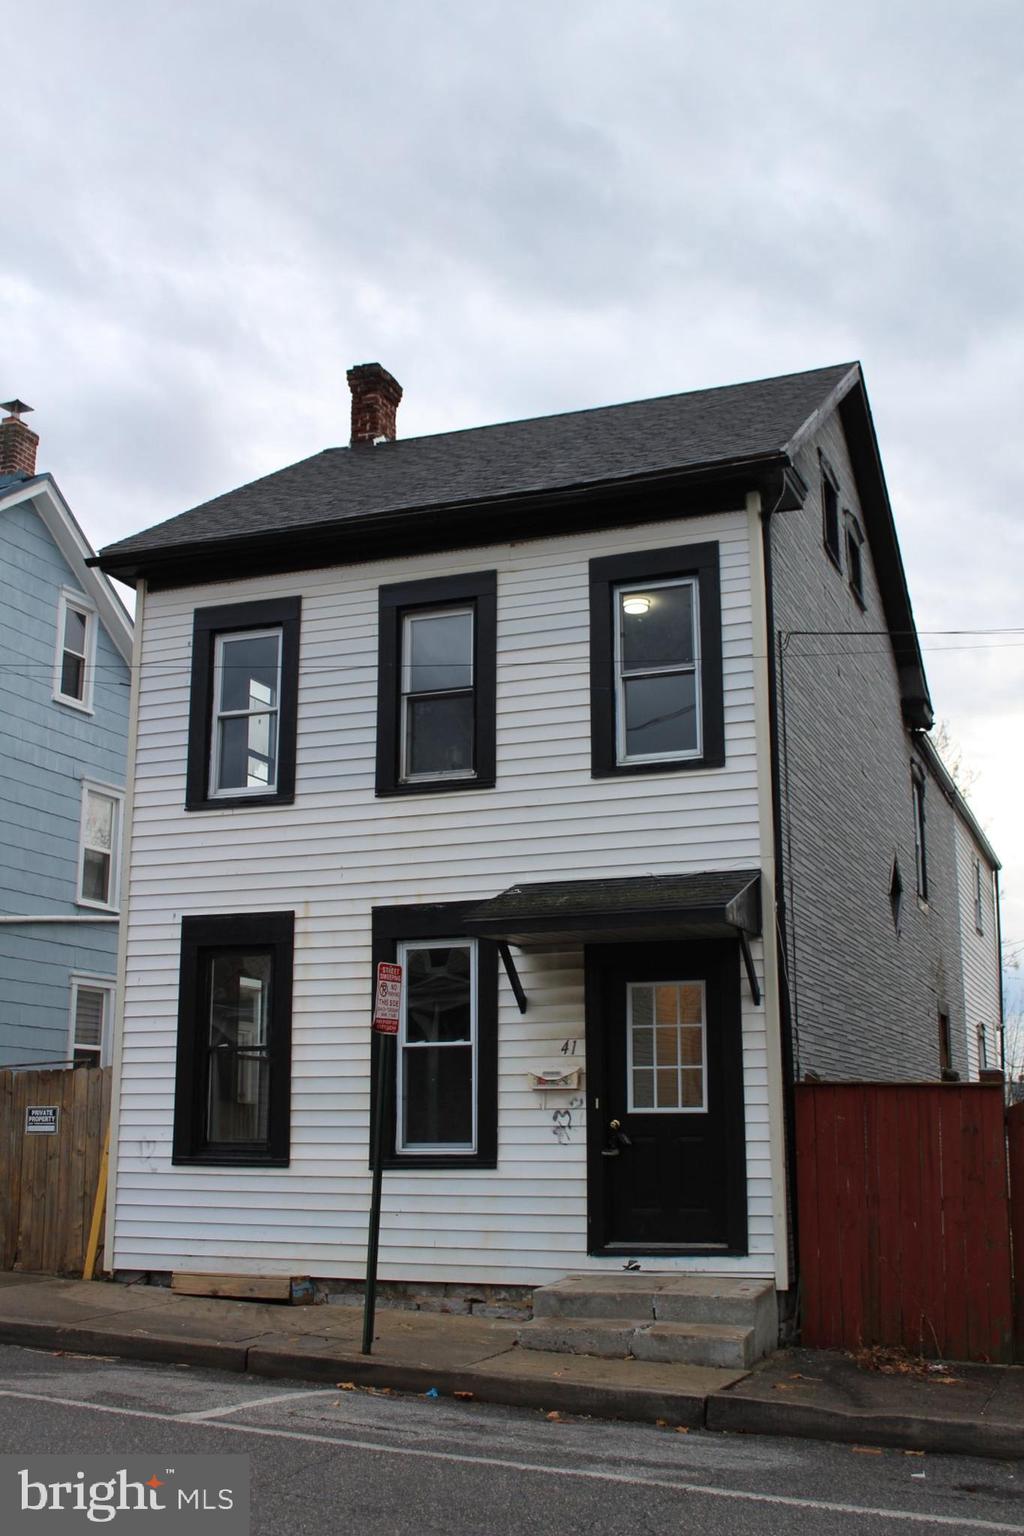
65,653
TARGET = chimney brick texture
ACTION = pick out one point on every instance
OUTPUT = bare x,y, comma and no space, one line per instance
375,398
18,444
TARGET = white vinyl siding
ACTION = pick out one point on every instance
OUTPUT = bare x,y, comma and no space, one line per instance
339,850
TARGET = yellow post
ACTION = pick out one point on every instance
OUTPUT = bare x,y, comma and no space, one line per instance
97,1211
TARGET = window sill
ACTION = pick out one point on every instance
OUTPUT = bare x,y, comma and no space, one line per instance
684,765
77,704
239,802
434,787
228,1160
452,1160
98,906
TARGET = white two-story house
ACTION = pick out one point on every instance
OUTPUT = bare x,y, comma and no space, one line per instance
608,727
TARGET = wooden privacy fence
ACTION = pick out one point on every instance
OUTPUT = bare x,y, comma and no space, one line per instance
904,1217
49,1178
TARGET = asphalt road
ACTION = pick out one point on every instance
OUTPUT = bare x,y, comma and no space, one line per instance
326,1461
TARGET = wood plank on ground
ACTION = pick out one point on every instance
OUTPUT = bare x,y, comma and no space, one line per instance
244,1287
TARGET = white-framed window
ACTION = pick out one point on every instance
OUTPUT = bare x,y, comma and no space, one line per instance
979,903
75,660
666,1049
437,1055
246,710
657,671
90,1021
99,845
438,695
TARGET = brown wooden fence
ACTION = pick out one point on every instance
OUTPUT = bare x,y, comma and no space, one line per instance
1015,1136
904,1217
48,1182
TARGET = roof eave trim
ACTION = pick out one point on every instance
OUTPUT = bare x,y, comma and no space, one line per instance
140,562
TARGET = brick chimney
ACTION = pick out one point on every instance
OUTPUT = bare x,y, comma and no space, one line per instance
18,443
375,398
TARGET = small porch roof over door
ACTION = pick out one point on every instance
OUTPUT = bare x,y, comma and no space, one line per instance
712,904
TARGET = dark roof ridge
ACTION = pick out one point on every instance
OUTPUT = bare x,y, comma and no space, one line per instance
595,410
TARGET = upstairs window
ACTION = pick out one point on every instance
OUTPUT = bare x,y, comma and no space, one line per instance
243,705
920,852
656,661
657,671
982,1049
830,513
437,695
436,680
979,903
99,846
76,648
855,558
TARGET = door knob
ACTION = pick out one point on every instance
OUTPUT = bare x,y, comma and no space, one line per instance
615,1125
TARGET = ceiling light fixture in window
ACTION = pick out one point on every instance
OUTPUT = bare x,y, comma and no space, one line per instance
636,603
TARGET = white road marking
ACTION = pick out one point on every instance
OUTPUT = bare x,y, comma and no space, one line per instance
587,1474
205,1414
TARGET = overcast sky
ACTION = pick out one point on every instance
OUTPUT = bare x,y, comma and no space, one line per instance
211,209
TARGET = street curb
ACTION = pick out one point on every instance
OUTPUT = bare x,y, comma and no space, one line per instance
641,1404
719,1411
741,1415
162,1349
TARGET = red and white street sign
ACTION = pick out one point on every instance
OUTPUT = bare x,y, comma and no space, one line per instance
388,1001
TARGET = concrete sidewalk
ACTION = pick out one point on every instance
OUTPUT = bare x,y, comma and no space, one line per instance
977,1410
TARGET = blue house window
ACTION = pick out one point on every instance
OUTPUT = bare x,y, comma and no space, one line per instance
74,664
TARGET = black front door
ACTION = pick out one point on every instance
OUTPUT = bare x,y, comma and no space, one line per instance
665,1098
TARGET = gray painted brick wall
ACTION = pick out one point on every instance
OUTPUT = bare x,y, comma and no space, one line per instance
866,994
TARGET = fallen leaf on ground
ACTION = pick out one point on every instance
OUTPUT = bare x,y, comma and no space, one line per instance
866,1450
782,1386
464,1397
346,1386
661,1423
946,1381
554,1416
682,1429
913,1453
799,1376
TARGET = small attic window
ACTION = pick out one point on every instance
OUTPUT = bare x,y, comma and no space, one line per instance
896,894
854,558
830,514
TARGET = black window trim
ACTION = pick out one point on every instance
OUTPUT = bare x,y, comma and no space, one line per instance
917,779
443,920
854,556
199,935
475,589
277,612
607,573
830,479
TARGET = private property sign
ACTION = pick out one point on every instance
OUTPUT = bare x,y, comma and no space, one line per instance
41,1119
388,1000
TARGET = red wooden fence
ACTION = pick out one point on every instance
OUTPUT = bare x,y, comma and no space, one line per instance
904,1217
1015,1132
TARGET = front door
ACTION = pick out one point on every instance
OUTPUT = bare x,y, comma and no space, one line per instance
665,1098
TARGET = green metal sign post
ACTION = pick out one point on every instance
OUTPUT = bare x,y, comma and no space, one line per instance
386,1010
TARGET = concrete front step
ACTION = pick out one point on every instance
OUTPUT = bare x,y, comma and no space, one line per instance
711,1344
691,1300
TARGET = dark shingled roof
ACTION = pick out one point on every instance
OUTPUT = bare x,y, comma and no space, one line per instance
713,902
739,422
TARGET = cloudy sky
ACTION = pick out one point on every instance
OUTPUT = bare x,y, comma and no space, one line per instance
211,209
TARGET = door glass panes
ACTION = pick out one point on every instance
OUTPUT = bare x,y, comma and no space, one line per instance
657,671
238,1065
99,833
666,1046
437,694
437,1050
73,652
